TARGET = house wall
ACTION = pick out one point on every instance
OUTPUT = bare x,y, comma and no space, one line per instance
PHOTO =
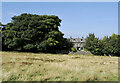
78,43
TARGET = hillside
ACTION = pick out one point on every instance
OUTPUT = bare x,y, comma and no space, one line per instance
58,67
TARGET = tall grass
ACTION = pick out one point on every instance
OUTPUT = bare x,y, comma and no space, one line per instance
52,67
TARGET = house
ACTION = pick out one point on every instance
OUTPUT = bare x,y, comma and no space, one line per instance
78,43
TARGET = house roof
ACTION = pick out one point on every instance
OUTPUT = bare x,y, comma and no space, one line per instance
77,39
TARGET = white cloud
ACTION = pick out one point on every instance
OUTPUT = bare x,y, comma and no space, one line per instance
12,13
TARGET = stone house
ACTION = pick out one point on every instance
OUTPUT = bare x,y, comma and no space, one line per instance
78,43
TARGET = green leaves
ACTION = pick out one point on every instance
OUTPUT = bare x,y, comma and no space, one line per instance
34,33
106,46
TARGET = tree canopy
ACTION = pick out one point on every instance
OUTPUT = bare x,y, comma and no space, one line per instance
106,46
34,33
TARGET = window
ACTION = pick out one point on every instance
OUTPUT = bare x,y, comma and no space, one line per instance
78,48
81,39
81,48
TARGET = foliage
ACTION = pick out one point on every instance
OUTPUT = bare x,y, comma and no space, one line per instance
106,46
73,49
34,33
92,44
0,37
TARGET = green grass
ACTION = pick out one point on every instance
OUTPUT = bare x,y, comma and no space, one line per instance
53,67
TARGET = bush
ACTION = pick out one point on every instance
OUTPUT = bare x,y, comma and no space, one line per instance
73,49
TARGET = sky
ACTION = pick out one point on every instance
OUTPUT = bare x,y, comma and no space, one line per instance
78,18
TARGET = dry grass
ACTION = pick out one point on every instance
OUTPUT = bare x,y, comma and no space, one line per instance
52,67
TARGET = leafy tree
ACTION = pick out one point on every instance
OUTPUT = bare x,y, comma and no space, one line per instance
106,46
89,42
34,33
100,47
111,46
118,45
93,44
114,44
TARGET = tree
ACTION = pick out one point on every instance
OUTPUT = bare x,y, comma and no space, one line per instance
0,37
34,33
100,47
106,50
118,45
93,44
89,42
114,45
106,46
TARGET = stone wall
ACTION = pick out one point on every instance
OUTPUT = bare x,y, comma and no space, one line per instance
81,52
78,43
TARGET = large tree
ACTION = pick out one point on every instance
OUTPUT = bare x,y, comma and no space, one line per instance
34,33
93,44
113,40
105,46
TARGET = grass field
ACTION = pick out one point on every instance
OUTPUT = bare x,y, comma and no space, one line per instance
58,67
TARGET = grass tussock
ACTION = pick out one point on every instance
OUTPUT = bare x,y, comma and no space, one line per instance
52,67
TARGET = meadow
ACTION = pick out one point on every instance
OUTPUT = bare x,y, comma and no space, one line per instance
58,67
